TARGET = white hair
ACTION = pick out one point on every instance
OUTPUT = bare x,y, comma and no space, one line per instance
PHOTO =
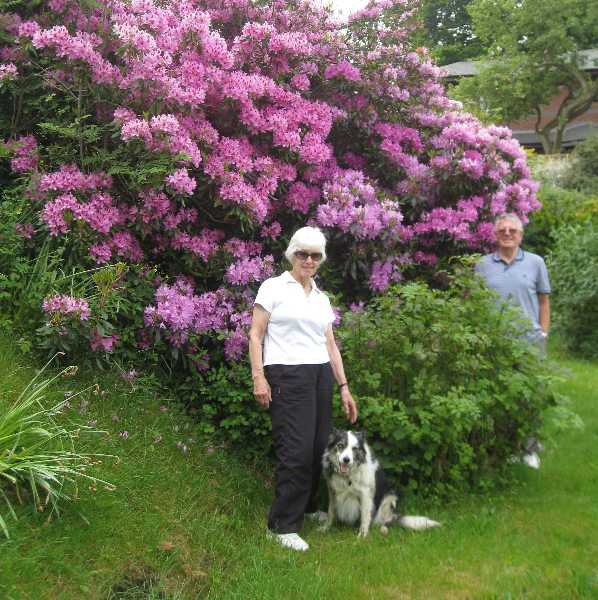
508,217
307,238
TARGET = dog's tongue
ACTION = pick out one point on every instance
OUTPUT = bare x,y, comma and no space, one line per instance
344,468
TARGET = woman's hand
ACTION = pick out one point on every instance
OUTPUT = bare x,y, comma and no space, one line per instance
349,404
259,323
261,390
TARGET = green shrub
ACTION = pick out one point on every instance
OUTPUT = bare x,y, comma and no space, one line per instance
221,399
559,207
573,270
445,385
582,174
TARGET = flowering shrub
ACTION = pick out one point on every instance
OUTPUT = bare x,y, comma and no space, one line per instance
70,320
197,136
446,385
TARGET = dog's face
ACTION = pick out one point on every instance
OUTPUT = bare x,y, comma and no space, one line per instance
345,449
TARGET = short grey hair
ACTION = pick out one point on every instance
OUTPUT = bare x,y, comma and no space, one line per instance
307,238
508,217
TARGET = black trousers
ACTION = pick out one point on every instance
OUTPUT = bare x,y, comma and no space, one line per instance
301,415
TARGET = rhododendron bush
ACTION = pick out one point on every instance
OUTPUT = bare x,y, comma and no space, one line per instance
188,139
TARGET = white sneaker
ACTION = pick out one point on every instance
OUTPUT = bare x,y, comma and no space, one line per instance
289,540
531,459
320,516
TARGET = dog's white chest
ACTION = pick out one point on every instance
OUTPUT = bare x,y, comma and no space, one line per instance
349,497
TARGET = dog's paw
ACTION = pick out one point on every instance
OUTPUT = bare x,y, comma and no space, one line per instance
324,528
363,533
384,529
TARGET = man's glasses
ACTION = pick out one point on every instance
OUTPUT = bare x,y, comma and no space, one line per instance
315,256
504,231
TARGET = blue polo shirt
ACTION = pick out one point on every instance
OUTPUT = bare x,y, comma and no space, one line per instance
521,280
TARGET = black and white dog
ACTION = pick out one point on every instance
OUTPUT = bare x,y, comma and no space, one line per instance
358,488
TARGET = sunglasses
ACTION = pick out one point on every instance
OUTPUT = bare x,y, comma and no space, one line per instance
315,256
504,231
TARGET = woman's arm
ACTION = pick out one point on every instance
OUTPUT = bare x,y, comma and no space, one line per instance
336,362
259,323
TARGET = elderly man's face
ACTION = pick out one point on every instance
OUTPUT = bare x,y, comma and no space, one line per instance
507,234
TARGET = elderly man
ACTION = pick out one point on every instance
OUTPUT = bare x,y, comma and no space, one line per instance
522,277
519,275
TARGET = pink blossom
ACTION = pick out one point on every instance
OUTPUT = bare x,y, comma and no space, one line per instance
67,304
181,182
273,231
8,71
106,343
343,69
25,154
27,230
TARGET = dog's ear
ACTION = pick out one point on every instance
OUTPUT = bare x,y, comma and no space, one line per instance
361,435
334,437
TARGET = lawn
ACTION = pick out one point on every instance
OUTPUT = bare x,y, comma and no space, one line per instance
191,523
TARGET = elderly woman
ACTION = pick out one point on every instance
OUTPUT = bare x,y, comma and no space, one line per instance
301,361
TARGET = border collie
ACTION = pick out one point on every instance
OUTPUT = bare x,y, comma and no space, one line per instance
358,488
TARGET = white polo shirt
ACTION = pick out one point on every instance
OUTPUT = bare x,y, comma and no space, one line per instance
296,332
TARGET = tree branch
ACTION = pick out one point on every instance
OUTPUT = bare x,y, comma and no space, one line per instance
568,69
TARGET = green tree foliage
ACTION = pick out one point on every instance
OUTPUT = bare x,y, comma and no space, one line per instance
533,52
448,32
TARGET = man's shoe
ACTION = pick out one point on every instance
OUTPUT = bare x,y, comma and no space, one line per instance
319,516
531,459
289,540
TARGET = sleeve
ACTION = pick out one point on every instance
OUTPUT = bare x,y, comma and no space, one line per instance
330,316
265,296
543,283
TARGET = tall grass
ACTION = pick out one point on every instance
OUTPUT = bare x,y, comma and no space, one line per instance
37,450
191,524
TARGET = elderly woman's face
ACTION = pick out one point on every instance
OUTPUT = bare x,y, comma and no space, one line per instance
306,262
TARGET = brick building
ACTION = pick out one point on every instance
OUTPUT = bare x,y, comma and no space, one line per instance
524,129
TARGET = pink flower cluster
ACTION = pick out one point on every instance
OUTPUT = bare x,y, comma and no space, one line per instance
69,178
181,183
8,71
384,273
106,343
179,314
27,230
250,270
25,154
351,204
343,69
67,305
